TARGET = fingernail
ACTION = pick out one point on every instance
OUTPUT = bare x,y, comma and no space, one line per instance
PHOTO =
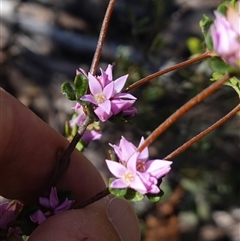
124,219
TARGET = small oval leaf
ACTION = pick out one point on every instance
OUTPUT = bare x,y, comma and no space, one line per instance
133,195
80,85
67,89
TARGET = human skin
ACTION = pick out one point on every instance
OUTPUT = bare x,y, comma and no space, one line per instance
28,155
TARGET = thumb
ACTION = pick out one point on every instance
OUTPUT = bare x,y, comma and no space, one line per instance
110,219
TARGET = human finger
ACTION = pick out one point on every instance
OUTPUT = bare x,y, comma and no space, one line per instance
28,155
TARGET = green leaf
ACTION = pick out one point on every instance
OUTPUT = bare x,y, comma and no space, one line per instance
222,8
155,197
80,85
234,3
67,128
209,42
193,45
118,192
234,82
218,65
216,76
205,24
133,195
80,146
67,89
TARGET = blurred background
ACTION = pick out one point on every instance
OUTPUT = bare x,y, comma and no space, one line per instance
43,42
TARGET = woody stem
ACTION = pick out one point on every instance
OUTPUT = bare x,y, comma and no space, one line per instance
177,114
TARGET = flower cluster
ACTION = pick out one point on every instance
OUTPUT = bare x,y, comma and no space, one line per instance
225,34
50,207
106,97
135,170
8,215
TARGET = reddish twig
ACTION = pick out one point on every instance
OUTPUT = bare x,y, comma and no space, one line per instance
63,163
93,199
177,114
64,160
102,36
201,57
202,134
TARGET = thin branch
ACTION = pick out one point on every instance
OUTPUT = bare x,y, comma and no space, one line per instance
177,114
201,57
102,36
202,134
93,199
63,162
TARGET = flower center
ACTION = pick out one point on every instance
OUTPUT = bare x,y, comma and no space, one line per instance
128,177
141,166
100,98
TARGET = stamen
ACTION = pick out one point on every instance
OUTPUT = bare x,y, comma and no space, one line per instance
100,98
141,166
128,176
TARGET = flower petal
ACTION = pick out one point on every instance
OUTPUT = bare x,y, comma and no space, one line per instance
127,148
158,168
119,183
138,185
106,106
94,85
77,121
43,201
63,207
125,96
108,71
143,154
53,199
101,114
38,217
81,71
119,83
109,90
117,169
89,98
132,161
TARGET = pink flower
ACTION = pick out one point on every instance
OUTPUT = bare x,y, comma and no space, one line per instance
100,97
91,135
50,207
156,168
124,151
8,214
80,116
225,34
106,97
148,171
104,79
127,176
